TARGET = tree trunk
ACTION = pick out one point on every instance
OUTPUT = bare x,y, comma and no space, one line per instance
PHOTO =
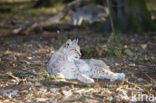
54,19
131,15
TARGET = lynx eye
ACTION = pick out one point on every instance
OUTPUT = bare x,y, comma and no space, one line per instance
74,49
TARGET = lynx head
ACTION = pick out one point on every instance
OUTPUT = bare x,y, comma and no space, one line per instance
72,50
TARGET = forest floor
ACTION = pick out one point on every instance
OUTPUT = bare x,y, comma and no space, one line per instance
23,61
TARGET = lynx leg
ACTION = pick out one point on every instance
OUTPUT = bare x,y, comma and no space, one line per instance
85,79
74,21
80,21
118,76
107,74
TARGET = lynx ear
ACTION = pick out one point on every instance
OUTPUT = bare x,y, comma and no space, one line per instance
68,43
75,41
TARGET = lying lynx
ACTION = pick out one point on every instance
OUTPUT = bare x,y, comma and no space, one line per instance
91,12
66,63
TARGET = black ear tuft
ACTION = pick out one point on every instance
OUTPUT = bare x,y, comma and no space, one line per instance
75,40
68,43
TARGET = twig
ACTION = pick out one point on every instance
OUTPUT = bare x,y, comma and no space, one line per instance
60,83
137,85
111,37
16,78
133,84
96,98
150,77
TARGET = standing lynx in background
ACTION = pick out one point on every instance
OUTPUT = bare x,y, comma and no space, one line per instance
92,13
66,63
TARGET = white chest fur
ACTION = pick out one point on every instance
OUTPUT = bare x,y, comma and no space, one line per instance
83,67
69,70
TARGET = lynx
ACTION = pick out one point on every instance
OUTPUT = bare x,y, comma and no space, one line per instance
91,12
66,63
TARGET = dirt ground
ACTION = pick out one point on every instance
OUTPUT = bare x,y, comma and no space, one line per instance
23,59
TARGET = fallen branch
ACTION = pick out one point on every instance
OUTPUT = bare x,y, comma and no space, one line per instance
150,77
94,98
16,78
142,86
63,82
54,19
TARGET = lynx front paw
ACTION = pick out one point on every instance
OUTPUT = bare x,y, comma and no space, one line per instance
85,79
90,81
118,76
122,76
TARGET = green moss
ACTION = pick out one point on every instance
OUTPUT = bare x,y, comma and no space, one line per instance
44,75
20,74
